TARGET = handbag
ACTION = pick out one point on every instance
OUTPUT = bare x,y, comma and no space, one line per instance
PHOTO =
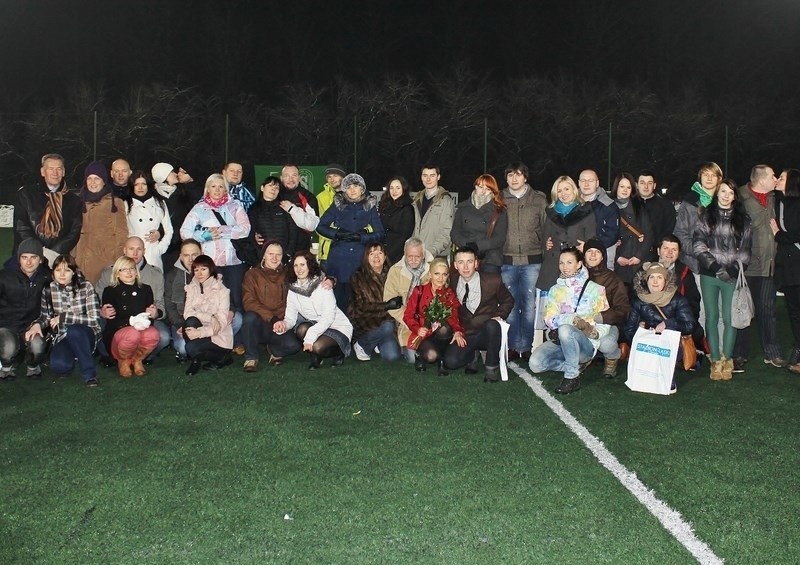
687,347
742,307
245,250
651,364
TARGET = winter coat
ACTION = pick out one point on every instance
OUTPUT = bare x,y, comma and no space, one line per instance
21,297
562,306
662,216
606,218
678,313
630,245
762,245
128,300
152,214
209,301
236,226
264,292
148,275
103,237
353,217
304,200
420,299
321,308
619,305
270,221
365,308
526,216
175,293
397,217
434,227
787,259
689,214
28,209
74,306
564,231
179,203
722,248
398,283
324,201
471,224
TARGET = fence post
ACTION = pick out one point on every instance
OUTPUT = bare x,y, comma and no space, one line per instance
355,143
726,151
227,135
485,143
94,138
609,153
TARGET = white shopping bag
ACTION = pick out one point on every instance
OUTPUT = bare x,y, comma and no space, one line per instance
651,364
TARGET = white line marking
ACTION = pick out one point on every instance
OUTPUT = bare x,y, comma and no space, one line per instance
671,519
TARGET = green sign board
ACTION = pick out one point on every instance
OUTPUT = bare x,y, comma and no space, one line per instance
311,176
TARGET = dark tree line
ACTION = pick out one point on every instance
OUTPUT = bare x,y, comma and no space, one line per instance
556,124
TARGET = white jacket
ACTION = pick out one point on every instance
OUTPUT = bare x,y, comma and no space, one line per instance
321,308
144,217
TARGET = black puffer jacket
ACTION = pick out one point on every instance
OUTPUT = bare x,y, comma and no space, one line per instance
28,210
21,297
270,221
678,312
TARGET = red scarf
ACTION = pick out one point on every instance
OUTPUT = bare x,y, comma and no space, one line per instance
761,197
215,203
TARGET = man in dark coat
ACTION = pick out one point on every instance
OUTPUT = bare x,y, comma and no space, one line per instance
660,210
20,305
485,301
298,195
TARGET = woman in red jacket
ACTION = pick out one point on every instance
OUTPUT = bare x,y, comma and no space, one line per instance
431,337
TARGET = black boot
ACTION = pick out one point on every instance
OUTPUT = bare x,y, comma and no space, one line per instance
419,364
441,369
194,368
569,385
337,361
316,362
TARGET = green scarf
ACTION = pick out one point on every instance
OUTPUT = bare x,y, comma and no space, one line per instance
705,197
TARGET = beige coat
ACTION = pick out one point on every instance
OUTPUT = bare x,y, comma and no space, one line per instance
103,236
434,228
207,303
398,283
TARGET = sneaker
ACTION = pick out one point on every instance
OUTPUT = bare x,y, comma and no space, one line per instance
250,366
361,355
673,389
569,385
7,374
776,362
34,372
91,383
738,365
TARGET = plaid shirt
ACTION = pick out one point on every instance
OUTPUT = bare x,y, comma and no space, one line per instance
82,307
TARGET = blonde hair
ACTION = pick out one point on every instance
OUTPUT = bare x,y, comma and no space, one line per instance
554,191
119,264
436,262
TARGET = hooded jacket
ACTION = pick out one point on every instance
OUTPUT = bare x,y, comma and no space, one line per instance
20,297
209,301
616,293
264,292
434,227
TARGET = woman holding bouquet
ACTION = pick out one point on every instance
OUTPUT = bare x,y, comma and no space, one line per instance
432,316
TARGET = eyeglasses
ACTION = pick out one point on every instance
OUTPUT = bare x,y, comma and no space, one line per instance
127,270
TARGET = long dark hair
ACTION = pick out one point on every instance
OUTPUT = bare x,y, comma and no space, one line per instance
311,261
387,201
792,183
366,267
160,200
738,214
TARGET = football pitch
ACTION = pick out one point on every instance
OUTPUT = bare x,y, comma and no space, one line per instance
375,463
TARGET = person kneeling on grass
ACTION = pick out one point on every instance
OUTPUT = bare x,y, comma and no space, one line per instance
573,313
207,329
264,301
373,326
430,338
658,305
71,311
312,313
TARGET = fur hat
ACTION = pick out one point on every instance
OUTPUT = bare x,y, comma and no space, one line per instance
30,245
655,269
352,179
335,169
95,168
161,171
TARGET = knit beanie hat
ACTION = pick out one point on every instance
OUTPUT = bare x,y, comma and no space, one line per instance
335,169
30,245
95,168
595,243
161,171
655,269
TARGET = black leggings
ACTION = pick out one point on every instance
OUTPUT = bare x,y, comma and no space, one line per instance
432,347
202,348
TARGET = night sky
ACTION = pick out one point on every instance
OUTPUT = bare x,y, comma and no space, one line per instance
230,46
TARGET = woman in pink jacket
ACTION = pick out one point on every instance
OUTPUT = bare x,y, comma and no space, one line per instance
207,329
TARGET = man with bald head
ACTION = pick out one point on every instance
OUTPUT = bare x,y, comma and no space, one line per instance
298,195
120,178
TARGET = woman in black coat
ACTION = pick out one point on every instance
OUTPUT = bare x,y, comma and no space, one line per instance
270,222
397,217
786,229
635,229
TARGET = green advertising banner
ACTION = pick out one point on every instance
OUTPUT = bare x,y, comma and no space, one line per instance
311,176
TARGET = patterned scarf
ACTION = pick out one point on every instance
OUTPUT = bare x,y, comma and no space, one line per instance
52,221
215,203
306,287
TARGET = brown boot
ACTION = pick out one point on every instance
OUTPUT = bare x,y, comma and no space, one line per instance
124,368
727,369
138,359
610,368
716,370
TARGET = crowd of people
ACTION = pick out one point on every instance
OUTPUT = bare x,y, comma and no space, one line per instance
133,262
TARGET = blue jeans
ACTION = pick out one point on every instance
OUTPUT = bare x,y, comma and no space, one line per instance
609,344
11,343
575,348
384,337
78,344
520,280
232,277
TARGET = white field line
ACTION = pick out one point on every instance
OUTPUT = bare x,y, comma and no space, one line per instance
671,519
